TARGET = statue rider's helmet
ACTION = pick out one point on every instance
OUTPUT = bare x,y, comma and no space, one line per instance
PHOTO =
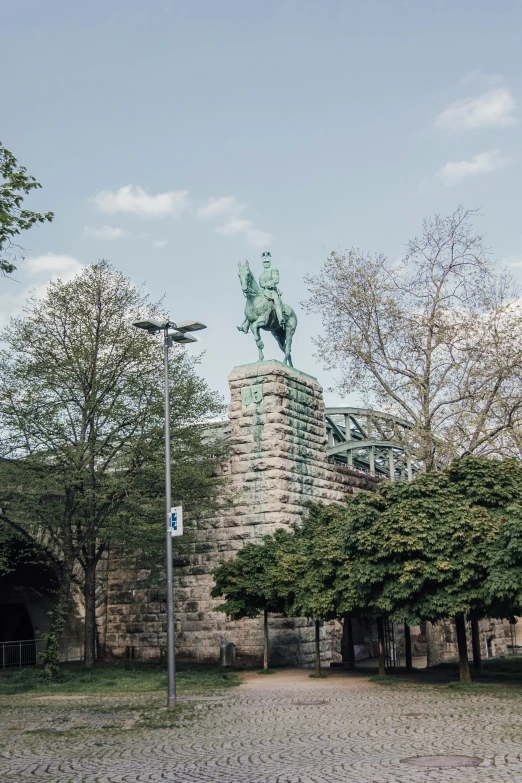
266,258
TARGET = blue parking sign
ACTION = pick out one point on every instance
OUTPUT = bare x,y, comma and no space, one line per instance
176,521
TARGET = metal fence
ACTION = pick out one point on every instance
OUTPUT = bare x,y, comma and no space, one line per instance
28,652
391,645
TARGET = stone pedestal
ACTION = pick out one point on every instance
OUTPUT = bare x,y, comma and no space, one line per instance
277,462
278,446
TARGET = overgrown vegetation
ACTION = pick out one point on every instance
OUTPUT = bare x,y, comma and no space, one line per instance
496,677
115,678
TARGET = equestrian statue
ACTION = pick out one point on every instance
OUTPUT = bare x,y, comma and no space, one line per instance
264,308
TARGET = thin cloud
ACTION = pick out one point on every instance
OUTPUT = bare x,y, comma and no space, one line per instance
229,207
160,243
476,75
53,266
483,163
513,261
105,232
234,227
493,79
259,238
493,109
134,200
246,227
39,270
217,207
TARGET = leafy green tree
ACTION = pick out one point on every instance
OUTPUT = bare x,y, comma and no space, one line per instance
497,487
423,550
81,414
312,568
248,585
299,572
15,183
318,568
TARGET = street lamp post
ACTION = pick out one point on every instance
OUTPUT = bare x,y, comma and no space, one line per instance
172,333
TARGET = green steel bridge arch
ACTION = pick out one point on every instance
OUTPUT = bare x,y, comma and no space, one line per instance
370,441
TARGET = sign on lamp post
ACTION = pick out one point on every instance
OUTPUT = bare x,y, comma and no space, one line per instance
176,521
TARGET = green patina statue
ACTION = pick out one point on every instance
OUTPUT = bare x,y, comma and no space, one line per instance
268,281
264,308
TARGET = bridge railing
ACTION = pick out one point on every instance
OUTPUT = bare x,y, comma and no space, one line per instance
27,652
371,441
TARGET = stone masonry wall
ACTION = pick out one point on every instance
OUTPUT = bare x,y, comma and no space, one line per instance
442,640
277,462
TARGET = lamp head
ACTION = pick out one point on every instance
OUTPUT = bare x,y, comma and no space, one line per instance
180,337
150,325
189,326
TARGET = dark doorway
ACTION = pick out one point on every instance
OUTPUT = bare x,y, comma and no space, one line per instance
19,647
26,598
15,623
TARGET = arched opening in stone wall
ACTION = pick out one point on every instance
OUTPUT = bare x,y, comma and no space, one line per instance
15,623
27,596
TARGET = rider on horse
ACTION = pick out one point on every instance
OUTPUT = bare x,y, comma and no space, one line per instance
268,281
263,303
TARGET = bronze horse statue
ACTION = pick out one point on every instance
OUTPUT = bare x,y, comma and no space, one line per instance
260,314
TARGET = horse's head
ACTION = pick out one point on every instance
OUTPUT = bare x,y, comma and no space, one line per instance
245,276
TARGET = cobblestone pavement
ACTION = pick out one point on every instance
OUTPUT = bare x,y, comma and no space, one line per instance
283,728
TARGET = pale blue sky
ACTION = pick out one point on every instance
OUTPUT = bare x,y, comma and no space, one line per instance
325,124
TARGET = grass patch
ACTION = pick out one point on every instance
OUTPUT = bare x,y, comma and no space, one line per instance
485,688
476,688
267,671
499,677
165,718
114,677
315,676
385,679
501,670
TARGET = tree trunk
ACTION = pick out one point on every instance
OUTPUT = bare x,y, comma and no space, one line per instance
265,639
317,650
460,624
382,653
475,643
347,650
50,657
90,614
434,643
407,647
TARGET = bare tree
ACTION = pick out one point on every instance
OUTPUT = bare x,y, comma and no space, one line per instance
434,338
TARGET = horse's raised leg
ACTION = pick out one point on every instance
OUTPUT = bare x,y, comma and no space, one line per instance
255,331
244,326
